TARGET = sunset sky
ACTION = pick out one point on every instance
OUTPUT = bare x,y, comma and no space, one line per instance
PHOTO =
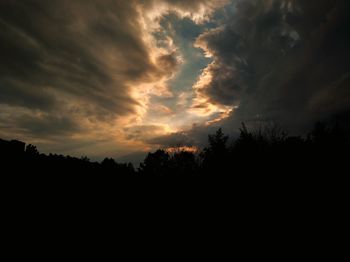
116,78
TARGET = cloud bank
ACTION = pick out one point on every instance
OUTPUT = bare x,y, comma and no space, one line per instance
111,77
286,61
81,70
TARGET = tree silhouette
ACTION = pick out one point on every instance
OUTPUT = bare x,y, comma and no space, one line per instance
215,156
155,164
32,150
183,163
266,154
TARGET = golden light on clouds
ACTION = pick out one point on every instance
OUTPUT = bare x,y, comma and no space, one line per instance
202,104
190,149
167,61
107,76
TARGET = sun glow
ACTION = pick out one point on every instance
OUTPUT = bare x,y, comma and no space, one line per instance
166,59
178,149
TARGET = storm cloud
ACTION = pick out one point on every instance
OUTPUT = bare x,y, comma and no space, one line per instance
286,61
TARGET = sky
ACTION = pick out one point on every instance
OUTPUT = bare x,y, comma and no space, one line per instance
115,78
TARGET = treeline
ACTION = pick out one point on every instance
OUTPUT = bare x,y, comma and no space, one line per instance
263,152
259,153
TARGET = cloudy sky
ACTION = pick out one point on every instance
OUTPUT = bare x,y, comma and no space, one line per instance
112,78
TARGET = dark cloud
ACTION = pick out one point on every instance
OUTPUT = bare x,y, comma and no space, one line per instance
48,125
18,93
173,140
24,123
85,49
281,60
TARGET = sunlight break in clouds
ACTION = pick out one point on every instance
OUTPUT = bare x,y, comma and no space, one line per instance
168,57
75,75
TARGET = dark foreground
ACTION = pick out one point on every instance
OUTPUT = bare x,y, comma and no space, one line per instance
266,155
